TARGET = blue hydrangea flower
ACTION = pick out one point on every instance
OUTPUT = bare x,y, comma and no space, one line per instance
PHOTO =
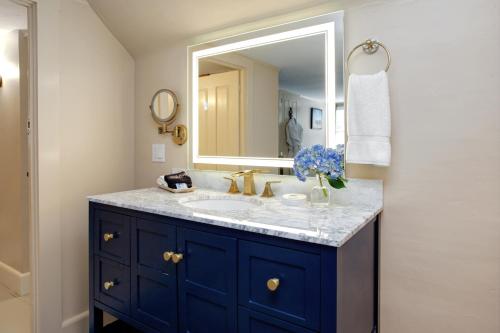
318,160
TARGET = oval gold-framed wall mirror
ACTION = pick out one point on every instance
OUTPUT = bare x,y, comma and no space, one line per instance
164,108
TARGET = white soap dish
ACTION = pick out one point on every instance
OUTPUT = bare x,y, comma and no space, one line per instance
163,185
175,190
294,199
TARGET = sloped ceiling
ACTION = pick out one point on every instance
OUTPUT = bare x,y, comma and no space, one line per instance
143,25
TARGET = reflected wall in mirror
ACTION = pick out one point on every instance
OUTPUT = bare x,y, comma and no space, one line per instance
253,99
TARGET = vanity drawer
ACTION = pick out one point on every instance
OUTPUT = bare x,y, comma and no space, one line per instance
294,275
255,322
112,284
112,236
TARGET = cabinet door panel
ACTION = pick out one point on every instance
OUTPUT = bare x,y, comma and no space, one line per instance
154,283
204,316
254,322
297,296
207,282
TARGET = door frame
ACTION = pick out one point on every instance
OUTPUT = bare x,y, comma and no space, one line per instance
32,151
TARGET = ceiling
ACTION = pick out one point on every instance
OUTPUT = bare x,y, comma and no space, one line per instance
301,64
12,16
143,25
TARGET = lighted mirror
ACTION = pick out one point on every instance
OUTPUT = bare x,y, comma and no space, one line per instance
257,99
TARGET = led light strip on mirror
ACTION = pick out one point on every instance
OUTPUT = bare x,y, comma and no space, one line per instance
326,29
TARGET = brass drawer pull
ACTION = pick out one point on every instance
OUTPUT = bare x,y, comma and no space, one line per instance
167,255
108,236
177,257
109,284
273,284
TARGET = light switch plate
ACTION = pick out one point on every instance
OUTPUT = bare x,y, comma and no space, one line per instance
158,152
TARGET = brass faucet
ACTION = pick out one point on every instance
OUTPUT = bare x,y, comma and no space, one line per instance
268,191
248,181
234,186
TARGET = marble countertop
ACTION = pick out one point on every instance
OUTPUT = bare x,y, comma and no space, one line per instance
332,226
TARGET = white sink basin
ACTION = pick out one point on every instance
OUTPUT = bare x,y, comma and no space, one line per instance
221,203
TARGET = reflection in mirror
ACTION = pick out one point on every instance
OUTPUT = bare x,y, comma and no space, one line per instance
164,105
259,97
265,101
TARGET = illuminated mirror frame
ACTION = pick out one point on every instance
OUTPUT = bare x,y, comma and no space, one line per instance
326,29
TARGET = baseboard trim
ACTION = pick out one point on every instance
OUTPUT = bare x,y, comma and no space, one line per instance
19,283
75,319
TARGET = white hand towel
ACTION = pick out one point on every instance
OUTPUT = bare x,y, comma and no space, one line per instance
368,120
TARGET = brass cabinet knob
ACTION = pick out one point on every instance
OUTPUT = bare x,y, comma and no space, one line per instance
108,236
167,255
273,284
109,284
177,257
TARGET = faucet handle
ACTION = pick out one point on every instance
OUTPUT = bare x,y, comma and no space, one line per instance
257,171
248,172
268,191
233,188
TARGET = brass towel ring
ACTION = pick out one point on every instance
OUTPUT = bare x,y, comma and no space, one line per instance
369,47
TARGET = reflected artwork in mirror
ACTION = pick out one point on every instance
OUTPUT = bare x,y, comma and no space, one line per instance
258,101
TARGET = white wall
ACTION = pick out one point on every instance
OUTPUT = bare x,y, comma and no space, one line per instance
163,69
47,232
14,231
86,146
97,146
441,230
440,268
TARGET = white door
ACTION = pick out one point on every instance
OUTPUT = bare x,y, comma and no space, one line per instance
219,117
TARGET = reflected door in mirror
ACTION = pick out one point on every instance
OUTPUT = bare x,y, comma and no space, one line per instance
219,117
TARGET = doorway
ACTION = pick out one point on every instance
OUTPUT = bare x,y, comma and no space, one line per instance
16,302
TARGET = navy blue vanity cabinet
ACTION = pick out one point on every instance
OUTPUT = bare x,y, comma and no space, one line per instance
207,282
257,322
112,282
165,275
296,277
112,236
154,278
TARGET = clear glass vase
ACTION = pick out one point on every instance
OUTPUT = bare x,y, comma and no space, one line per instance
320,194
